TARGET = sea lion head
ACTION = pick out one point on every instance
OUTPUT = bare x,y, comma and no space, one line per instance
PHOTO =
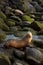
28,37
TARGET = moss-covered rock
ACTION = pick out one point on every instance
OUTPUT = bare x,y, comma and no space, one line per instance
29,29
2,15
9,8
4,59
11,22
40,25
2,36
36,26
28,18
3,25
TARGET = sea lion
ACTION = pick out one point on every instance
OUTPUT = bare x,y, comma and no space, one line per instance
19,43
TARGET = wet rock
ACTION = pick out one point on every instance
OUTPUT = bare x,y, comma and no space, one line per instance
15,18
6,13
1,31
33,54
31,8
18,53
17,3
3,62
8,54
35,26
40,33
29,29
30,55
4,59
38,43
14,28
10,23
40,49
3,25
2,35
20,62
37,7
2,15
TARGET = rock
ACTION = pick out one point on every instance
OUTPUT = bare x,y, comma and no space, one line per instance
28,18
38,43
17,3
1,31
7,53
19,54
3,62
33,54
29,29
20,62
4,59
40,32
14,28
31,8
10,22
2,35
15,18
35,26
29,55
2,15
37,7
3,25
19,11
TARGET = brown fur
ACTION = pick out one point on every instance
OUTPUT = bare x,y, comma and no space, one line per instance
18,43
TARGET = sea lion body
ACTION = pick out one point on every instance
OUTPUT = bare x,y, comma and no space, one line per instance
18,43
15,43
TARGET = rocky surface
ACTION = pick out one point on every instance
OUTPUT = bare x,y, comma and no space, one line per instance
17,17
23,56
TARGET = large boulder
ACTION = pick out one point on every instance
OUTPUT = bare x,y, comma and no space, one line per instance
34,54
